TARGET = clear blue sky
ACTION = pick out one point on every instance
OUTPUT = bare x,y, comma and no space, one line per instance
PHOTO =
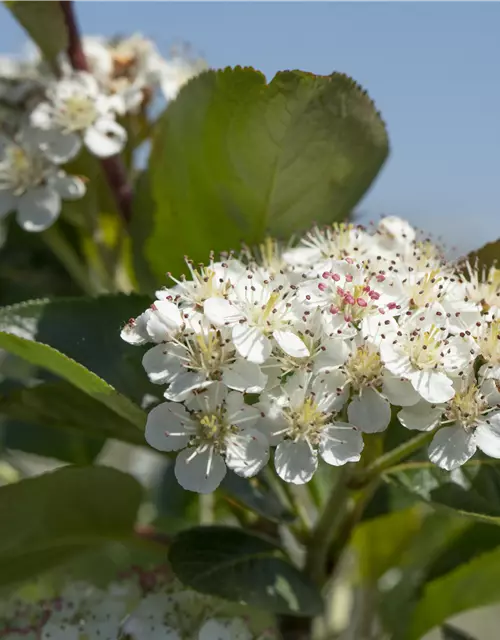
433,70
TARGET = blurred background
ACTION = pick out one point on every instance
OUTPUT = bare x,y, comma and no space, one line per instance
431,68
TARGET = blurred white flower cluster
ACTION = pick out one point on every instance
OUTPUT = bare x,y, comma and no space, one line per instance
308,348
143,605
46,117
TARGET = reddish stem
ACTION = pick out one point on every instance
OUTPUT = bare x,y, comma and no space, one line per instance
113,167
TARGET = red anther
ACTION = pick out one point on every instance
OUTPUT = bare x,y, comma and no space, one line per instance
348,277
361,302
326,275
379,277
374,295
392,305
333,309
335,276
154,307
322,286
349,299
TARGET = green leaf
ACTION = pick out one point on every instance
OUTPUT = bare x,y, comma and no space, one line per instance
238,566
67,413
56,362
235,159
44,23
486,256
256,494
88,331
50,518
379,543
473,490
473,585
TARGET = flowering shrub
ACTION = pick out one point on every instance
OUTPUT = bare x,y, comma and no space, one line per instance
208,367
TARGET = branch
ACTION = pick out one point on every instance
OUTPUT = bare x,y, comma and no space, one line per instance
113,167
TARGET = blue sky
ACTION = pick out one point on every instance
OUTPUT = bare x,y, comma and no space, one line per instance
433,70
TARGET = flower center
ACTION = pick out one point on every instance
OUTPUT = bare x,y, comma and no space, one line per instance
77,113
20,171
424,291
208,352
466,406
306,422
425,348
364,368
213,429
338,241
353,302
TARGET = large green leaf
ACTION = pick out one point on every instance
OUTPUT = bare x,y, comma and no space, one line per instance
380,542
57,363
88,331
472,585
239,566
473,490
67,412
235,158
44,22
48,519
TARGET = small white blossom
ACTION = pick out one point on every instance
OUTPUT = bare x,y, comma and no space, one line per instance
32,185
257,312
216,431
76,112
301,421
420,350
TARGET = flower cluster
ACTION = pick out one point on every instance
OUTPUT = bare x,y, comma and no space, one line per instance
48,118
307,348
141,605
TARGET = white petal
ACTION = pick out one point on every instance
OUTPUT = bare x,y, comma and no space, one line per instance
399,392
239,413
200,472
272,423
8,202
168,427
340,443
162,362
490,371
301,256
244,376
451,447
38,209
291,344
395,360
41,116
134,332
183,385
68,187
369,411
330,389
334,354
251,343
247,453
295,462
58,146
488,435
220,312
164,321
422,416
433,386
105,138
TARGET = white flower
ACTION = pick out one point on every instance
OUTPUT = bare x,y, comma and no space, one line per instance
77,112
175,72
483,286
301,421
373,387
161,322
333,242
348,295
420,351
216,432
256,313
197,360
31,185
229,629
